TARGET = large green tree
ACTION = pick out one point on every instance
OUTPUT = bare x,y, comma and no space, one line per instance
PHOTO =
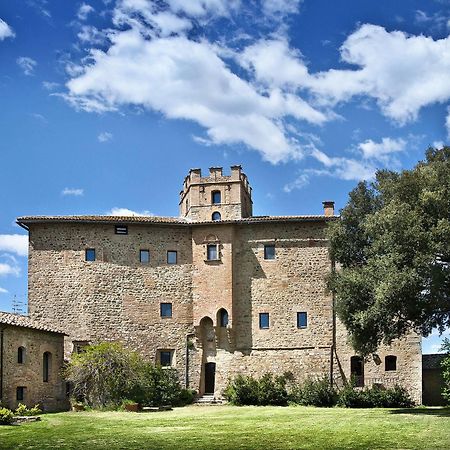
392,249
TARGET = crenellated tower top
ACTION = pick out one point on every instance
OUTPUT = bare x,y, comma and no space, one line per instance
217,196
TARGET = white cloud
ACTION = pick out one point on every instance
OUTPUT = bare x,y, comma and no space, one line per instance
77,192
447,123
91,35
127,212
50,85
187,80
105,136
8,269
301,181
438,144
3,291
202,8
5,30
84,10
26,64
280,6
378,150
14,243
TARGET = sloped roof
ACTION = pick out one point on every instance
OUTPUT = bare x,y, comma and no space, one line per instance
23,321
168,220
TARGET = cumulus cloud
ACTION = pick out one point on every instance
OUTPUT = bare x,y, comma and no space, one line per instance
84,10
105,136
5,30
26,64
76,192
379,150
14,243
127,212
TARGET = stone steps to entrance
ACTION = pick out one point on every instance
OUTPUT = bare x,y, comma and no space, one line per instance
208,399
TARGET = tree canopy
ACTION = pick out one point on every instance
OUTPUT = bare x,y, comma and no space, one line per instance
392,249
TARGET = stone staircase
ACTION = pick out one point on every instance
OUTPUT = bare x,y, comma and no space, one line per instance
208,399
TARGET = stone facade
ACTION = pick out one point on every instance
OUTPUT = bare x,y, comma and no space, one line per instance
31,359
217,289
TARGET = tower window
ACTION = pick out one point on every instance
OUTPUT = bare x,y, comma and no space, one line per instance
171,257
90,254
211,252
166,309
121,229
269,251
263,320
216,197
144,256
216,216
390,363
302,320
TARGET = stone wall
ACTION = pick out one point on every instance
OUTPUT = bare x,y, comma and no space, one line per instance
51,394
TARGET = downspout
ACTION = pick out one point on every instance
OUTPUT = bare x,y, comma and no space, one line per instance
333,342
1,363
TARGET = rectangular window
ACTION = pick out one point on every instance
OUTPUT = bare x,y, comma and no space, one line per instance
165,358
212,253
302,320
166,309
216,197
263,320
90,254
171,257
121,229
269,251
20,393
144,256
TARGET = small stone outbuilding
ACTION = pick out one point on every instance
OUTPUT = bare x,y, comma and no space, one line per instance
432,379
31,359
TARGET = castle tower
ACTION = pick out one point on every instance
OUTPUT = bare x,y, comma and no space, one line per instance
217,196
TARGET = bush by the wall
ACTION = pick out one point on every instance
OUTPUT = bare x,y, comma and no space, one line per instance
242,390
272,390
23,410
375,397
6,416
314,393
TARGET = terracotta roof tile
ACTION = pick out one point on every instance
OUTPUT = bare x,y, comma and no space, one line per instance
25,322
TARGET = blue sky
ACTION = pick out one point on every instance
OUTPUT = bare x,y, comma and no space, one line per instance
105,105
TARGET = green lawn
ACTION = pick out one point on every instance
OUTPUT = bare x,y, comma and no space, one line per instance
228,427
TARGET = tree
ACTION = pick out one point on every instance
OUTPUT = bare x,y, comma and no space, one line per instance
445,364
392,246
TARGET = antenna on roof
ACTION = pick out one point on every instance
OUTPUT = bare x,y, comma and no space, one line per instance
18,306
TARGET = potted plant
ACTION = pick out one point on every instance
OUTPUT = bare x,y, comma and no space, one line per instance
130,405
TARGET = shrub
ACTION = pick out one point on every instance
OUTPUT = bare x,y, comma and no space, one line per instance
314,393
445,364
242,390
22,410
375,397
272,390
186,396
268,390
6,416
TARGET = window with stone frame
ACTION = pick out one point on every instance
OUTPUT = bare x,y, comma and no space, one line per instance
172,257
21,355
89,254
269,251
165,358
216,197
263,320
20,393
144,256
216,216
212,252
390,363
302,320
166,309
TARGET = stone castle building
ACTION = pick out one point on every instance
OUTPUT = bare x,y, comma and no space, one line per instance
214,293
31,360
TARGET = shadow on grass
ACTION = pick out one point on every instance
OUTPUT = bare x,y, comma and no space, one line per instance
436,411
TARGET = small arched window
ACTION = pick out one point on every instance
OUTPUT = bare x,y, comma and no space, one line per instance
390,363
21,355
46,366
216,216
223,317
216,197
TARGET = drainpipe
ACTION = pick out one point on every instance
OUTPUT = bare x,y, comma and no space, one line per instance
333,343
186,375
1,363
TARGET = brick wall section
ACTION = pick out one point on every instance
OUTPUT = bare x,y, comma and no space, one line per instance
50,395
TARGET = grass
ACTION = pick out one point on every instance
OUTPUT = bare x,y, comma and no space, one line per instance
228,427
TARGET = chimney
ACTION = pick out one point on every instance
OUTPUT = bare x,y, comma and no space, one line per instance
328,208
